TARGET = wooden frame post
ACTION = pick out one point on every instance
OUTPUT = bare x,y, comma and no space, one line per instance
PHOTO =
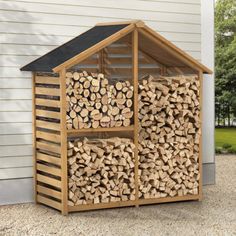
200,76
63,135
101,60
34,137
136,125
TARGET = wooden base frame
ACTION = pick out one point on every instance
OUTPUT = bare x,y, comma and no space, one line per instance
140,202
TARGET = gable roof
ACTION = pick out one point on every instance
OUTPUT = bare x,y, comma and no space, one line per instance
104,34
56,57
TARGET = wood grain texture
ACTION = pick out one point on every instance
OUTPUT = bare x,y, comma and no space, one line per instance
49,147
49,158
47,102
111,129
49,192
63,150
136,125
129,203
48,125
49,202
47,114
48,136
47,80
48,180
34,137
200,77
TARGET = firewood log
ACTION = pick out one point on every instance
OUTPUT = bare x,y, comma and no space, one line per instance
100,171
169,136
94,98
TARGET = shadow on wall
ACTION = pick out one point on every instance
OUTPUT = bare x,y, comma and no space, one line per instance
21,42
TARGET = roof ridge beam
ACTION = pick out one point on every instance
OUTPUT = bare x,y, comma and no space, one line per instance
120,23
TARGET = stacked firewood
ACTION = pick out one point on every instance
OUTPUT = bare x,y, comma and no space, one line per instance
169,136
93,101
101,171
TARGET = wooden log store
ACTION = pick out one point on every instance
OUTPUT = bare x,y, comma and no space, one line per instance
116,120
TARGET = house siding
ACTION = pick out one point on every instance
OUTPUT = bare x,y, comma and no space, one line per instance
29,29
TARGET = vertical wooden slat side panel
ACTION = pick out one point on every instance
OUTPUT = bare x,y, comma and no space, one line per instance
200,143
64,177
34,136
135,83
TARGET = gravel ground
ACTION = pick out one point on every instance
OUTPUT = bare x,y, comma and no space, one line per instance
215,215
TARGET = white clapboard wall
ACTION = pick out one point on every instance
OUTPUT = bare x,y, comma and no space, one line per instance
28,29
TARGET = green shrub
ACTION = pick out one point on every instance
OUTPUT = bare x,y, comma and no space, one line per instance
232,150
218,150
226,146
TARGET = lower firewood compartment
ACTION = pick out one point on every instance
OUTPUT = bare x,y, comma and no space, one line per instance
100,170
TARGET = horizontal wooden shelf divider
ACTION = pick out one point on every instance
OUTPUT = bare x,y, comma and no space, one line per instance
91,130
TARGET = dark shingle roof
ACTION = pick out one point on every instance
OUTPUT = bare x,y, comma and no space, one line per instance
72,48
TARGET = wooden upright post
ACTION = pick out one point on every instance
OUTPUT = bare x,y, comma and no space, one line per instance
101,61
34,136
64,174
136,125
200,76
